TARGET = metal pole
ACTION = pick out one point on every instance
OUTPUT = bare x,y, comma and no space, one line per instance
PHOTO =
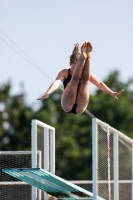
34,153
108,153
39,153
94,157
46,154
46,149
116,167
132,171
52,151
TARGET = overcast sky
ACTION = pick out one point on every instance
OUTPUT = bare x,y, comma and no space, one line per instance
46,31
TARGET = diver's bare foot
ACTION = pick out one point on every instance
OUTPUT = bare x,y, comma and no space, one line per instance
83,51
89,49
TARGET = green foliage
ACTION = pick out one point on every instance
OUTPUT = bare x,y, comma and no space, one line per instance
15,119
73,132
116,113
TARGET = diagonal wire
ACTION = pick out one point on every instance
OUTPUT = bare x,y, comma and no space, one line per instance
32,62
24,55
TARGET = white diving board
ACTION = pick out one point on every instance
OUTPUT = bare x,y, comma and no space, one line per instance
51,184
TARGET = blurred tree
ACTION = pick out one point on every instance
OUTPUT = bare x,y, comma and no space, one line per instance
117,114
15,118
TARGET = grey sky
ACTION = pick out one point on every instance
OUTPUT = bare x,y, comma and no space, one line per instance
47,31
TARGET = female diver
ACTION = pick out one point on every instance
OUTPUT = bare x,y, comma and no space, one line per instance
75,97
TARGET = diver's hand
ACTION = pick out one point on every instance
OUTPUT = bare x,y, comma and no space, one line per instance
115,94
45,96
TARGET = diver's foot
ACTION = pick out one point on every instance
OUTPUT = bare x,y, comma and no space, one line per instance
89,49
83,51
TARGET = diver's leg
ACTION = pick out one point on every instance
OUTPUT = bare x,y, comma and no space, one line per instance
83,90
70,93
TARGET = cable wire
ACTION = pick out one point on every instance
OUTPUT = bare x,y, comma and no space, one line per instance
24,55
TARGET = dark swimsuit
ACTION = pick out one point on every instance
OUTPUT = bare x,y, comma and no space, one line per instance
65,82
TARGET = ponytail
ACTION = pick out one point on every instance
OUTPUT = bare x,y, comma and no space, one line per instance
75,54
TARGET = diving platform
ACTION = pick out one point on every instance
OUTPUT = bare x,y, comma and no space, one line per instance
50,183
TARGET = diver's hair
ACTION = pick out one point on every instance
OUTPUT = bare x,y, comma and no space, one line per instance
75,54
